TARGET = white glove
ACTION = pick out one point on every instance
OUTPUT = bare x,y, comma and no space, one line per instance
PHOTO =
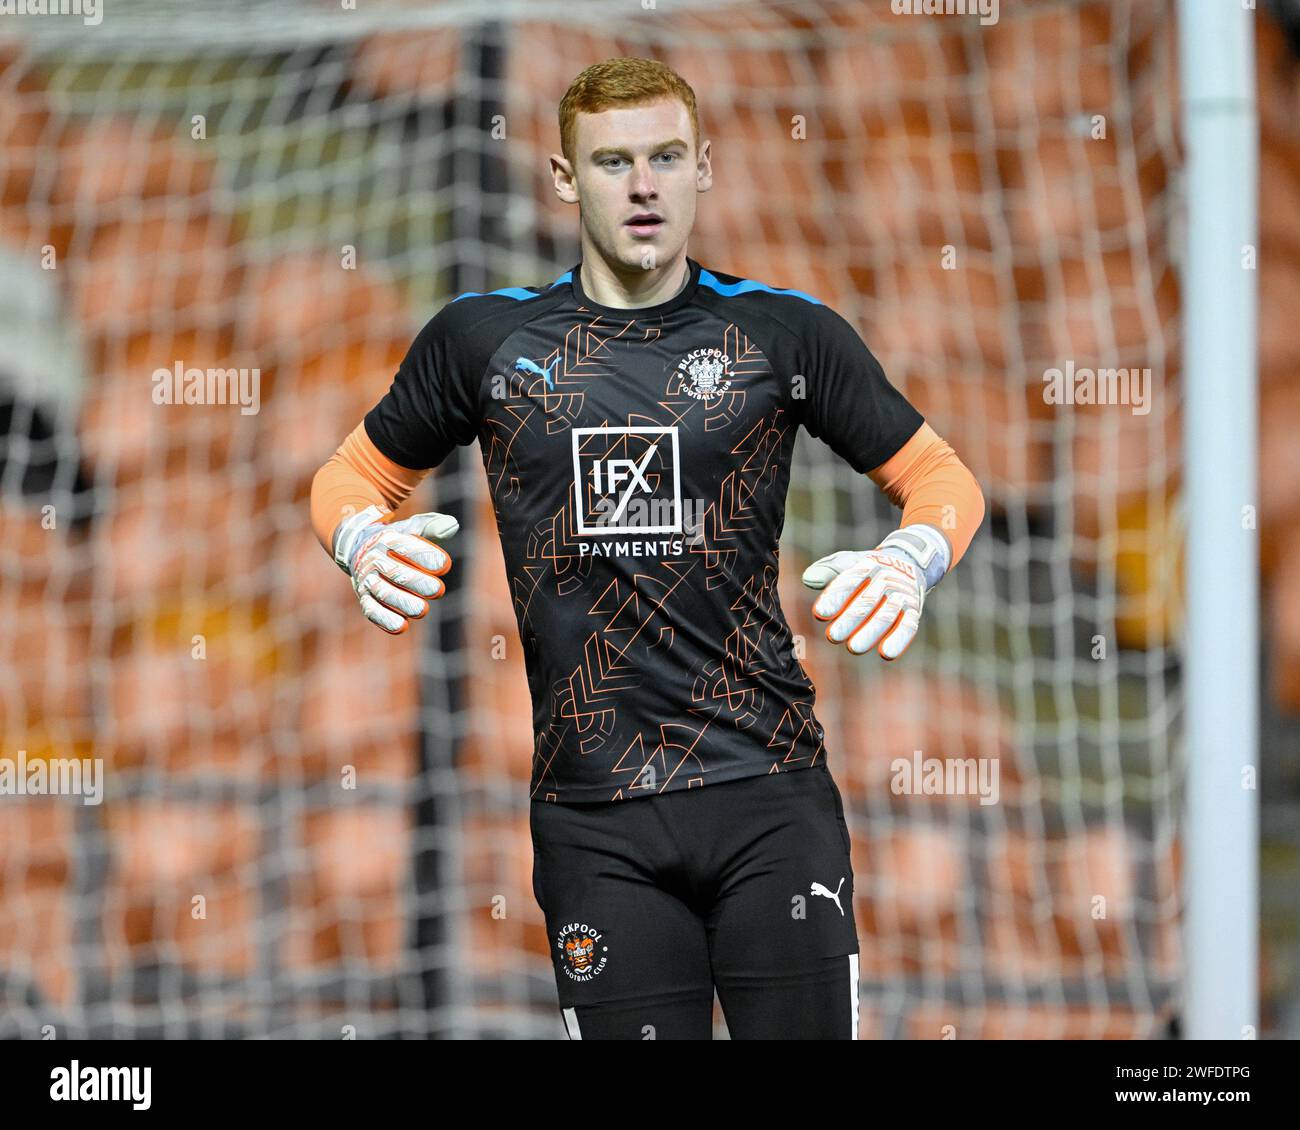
875,596
395,571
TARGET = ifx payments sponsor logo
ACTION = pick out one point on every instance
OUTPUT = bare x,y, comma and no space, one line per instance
628,481
53,776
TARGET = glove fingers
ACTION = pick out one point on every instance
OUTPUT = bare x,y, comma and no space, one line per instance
386,618
408,577
424,529
396,569
435,527
873,600
825,569
881,622
840,591
399,600
433,559
897,641
430,525
858,611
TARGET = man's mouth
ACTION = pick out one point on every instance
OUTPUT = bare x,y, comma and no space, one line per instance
646,223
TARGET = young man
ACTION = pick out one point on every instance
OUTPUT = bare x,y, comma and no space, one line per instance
636,419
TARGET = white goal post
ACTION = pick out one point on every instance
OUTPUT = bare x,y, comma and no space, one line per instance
1221,883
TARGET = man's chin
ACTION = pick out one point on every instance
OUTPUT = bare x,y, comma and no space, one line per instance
638,253
647,252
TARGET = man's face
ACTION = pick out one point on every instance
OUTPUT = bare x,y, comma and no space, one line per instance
633,163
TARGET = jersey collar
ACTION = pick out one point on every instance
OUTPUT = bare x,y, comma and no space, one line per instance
678,300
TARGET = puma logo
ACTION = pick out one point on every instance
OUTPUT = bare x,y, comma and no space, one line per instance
834,895
532,367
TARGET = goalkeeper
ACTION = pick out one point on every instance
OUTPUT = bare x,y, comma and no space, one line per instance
636,419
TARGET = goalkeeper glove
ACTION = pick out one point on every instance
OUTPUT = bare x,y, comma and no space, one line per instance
875,597
395,571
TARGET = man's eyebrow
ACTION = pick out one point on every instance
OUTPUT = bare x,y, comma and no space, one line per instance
619,151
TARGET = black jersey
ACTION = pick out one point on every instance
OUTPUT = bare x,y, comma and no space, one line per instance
638,462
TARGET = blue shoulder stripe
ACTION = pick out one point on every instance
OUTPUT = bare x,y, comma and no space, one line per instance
727,290
518,293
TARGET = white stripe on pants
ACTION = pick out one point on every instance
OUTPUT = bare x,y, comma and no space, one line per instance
575,1033
853,991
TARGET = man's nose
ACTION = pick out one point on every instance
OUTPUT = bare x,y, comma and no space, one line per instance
643,180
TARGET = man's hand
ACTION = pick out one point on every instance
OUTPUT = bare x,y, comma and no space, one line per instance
873,598
395,570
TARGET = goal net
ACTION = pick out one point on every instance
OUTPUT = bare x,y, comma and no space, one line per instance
310,829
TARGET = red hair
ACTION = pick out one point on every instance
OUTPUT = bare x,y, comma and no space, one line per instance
621,82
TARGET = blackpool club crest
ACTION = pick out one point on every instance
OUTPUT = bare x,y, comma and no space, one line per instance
705,373
583,952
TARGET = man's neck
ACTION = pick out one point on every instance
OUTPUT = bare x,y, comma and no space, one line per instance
641,288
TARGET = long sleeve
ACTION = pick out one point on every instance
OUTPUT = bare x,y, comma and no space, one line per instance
933,486
357,475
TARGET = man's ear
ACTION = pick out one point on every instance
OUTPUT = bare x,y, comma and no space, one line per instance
704,168
566,184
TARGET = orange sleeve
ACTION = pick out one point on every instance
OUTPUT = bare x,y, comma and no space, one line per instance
357,475
933,486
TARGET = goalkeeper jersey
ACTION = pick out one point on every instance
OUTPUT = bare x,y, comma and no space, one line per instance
638,462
